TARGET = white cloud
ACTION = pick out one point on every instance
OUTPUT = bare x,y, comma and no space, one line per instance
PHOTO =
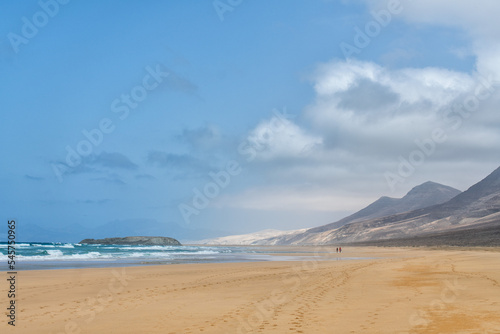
478,19
412,85
354,142
365,116
279,137
362,103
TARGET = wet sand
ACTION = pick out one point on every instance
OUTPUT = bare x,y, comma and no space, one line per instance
396,291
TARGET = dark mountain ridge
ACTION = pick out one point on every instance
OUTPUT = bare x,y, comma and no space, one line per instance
424,195
417,214
477,206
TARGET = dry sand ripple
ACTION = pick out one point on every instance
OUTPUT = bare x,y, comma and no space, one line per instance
401,291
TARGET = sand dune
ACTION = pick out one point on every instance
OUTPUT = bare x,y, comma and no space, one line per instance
401,291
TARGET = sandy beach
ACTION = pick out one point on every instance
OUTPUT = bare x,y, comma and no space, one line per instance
397,291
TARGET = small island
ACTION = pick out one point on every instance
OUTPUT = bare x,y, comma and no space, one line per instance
134,241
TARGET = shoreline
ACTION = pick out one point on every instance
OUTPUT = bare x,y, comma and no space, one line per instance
69,265
400,291
116,256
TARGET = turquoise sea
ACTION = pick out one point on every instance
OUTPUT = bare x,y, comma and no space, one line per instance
31,255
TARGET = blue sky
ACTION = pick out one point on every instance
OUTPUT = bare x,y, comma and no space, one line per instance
216,85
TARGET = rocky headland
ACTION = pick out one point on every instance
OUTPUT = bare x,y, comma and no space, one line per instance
146,241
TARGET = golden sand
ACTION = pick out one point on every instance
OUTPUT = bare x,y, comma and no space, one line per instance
400,291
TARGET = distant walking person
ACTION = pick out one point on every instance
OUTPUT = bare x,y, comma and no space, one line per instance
340,249
337,250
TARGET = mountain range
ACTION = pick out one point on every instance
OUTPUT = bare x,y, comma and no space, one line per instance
430,213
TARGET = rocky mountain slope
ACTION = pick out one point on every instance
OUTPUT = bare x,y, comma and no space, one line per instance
421,196
469,236
479,206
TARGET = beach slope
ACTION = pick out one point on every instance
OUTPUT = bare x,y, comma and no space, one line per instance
398,291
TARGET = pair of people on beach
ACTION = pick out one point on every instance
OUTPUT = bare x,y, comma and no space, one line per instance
339,249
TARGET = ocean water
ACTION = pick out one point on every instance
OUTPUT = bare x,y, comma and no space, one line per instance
55,255
70,255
